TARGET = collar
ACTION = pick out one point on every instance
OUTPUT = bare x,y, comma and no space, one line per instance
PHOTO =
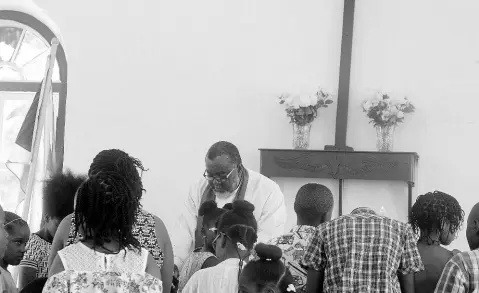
363,210
231,262
301,228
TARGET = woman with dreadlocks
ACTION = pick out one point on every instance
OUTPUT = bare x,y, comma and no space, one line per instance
105,213
436,218
149,230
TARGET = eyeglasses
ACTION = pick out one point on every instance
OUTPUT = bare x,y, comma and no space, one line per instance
218,177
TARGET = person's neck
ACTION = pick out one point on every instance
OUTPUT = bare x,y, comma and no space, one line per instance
3,264
207,248
112,246
300,222
429,239
45,235
234,255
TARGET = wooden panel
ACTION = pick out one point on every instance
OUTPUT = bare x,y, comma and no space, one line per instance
22,86
338,164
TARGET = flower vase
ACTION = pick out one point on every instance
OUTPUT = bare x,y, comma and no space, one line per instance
385,138
301,136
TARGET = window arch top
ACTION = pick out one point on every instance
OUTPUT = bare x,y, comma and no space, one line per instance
23,53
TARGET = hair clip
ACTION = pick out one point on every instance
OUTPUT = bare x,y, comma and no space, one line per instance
291,288
268,259
14,220
213,229
241,246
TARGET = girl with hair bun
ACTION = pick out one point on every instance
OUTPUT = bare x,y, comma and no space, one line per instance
203,257
235,238
266,274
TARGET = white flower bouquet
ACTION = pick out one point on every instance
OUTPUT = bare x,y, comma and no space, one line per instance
303,109
383,111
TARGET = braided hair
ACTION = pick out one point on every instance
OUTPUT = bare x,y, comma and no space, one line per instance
434,209
118,161
12,220
268,271
106,209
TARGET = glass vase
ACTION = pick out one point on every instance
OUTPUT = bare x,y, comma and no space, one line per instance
385,138
301,135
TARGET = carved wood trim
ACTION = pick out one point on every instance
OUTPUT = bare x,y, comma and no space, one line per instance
339,165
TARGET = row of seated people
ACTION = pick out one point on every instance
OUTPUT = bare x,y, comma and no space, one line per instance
310,252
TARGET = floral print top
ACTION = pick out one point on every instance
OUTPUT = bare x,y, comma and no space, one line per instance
102,282
293,246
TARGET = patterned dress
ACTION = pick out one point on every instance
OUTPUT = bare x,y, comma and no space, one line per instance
144,231
102,282
293,246
192,264
36,255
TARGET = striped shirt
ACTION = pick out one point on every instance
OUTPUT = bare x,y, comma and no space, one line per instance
461,274
363,252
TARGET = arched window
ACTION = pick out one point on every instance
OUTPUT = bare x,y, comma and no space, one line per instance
24,47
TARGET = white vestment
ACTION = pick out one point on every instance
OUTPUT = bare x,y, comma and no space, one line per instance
262,192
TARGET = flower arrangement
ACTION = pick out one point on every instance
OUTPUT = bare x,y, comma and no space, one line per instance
383,111
303,109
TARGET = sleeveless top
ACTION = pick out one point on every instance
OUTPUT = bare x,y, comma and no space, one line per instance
79,257
144,231
192,264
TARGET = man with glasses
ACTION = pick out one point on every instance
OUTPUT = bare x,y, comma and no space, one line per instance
225,180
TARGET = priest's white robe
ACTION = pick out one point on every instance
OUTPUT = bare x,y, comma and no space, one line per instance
262,192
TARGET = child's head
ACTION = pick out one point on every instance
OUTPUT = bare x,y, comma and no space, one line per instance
236,231
106,209
313,204
210,212
436,213
3,234
18,235
58,198
268,274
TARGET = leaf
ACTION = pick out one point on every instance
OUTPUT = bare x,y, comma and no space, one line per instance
329,102
321,102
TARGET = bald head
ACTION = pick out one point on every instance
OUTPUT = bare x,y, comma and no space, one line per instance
474,214
224,148
472,229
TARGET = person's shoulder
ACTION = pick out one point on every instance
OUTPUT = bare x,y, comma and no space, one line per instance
469,259
261,180
199,183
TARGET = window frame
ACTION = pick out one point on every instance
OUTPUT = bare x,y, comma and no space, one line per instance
29,86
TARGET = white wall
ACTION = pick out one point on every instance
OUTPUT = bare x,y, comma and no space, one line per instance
164,80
